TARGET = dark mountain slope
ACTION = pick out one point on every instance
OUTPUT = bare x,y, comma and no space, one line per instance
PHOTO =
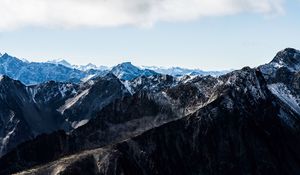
27,111
116,122
94,95
124,118
239,133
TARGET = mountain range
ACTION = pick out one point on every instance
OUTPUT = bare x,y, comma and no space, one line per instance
32,73
130,120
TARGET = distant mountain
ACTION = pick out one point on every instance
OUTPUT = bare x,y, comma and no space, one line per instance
178,71
84,68
91,66
126,71
61,70
31,73
61,62
127,68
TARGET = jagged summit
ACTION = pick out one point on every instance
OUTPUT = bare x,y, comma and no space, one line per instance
6,56
285,60
289,58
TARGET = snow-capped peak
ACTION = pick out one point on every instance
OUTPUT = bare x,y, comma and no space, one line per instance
126,65
90,66
8,58
289,58
179,71
60,62
87,67
127,71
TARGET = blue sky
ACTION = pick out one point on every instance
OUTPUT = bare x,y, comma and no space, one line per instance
216,40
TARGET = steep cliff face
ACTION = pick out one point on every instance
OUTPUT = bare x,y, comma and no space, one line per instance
28,111
25,114
13,125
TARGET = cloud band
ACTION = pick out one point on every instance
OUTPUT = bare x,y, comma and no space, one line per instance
108,13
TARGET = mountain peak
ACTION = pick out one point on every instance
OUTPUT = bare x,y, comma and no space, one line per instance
5,55
90,64
291,50
60,62
127,71
287,59
5,78
288,56
126,65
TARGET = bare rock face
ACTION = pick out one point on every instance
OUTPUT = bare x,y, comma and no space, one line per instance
28,111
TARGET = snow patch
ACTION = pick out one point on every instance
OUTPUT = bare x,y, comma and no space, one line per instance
127,86
5,140
88,77
77,124
63,91
285,95
278,65
70,102
32,92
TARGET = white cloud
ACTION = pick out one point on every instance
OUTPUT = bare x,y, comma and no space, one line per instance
107,13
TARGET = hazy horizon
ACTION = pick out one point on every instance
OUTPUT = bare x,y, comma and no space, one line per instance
125,61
